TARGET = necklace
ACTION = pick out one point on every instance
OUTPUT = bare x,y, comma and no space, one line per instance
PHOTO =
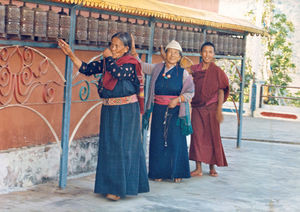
166,76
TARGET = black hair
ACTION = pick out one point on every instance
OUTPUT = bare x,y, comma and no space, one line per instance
207,44
125,38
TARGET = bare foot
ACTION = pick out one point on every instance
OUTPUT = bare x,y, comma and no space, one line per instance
158,180
112,197
213,173
196,173
177,180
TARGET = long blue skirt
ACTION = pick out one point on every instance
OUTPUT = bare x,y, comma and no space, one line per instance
171,161
121,168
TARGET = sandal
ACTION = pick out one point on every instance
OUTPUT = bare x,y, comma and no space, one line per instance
112,197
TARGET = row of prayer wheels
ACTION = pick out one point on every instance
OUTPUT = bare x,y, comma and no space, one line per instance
34,23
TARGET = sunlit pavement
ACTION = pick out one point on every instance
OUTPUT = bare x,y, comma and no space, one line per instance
263,175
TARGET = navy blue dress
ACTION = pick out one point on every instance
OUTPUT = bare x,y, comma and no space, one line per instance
121,168
171,161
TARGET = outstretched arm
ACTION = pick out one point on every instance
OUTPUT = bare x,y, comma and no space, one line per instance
147,68
67,51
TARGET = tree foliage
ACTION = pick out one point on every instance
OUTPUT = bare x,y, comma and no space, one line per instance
278,48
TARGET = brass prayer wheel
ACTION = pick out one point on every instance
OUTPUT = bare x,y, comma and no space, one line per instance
122,26
201,40
243,46
172,34
12,19
185,39
234,46
196,41
225,45
139,35
230,44
2,20
209,37
220,44
64,25
191,40
26,21
239,46
102,31
165,36
40,22
215,42
158,33
53,24
146,35
112,28
179,35
92,29
81,27
131,27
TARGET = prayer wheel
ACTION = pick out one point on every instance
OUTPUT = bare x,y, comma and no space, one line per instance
92,29
197,41
102,31
243,46
81,28
40,22
230,44
172,34
12,19
139,35
225,45
112,29
2,20
209,37
53,24
185,39
122,26
191,40
234,46
239,46
201,40
215,42
221,44
158,33
64,25
179,36
131,27
146,36
26,21
165,36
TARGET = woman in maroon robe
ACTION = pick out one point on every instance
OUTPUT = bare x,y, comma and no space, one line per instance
211,90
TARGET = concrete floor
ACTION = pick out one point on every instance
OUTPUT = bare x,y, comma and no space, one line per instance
262,176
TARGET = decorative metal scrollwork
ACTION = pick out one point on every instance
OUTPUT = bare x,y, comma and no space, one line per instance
21,73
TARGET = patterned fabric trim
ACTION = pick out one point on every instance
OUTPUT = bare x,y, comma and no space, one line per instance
121,100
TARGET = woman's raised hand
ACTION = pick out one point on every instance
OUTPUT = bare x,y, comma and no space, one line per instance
107,53
64,47
68,51
162,52
133,50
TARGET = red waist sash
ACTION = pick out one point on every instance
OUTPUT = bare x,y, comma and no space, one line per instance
163,99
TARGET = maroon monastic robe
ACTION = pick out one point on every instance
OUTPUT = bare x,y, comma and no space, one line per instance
206,145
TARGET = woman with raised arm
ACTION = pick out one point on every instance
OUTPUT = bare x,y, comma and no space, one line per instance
121,168
171,89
